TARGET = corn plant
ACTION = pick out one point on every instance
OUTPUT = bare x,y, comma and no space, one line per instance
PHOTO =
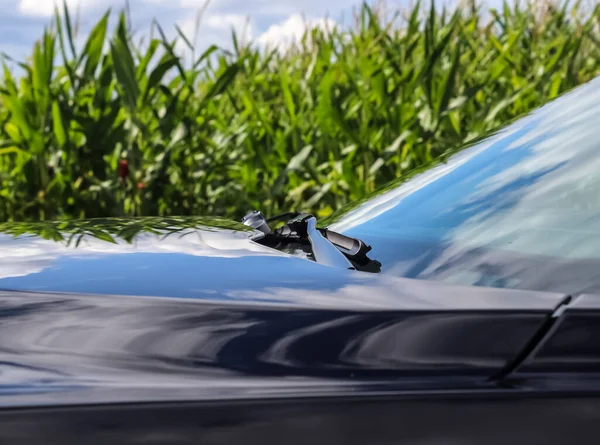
123,129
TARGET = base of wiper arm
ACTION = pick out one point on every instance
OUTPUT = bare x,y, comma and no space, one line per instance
328,247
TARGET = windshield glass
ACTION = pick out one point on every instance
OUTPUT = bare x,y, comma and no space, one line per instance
520,209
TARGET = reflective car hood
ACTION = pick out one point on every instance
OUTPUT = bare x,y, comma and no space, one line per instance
153,309
208,259
175,257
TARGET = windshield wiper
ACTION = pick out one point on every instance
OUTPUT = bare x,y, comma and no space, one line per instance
327,247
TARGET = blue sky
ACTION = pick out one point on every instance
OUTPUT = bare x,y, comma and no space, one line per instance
266,21
273,21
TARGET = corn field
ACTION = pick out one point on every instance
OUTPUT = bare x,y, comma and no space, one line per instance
122,127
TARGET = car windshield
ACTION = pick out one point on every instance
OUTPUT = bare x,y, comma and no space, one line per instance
520,209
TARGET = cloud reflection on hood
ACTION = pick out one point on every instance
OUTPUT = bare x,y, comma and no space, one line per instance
30,248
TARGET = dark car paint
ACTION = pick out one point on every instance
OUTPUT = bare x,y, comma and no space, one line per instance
65,348
141,312
183,330
466,419
138,327
203,260
571,351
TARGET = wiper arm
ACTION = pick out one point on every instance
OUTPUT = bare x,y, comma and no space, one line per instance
328,247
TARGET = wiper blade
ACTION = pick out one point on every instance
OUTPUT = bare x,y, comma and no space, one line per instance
323,250
328,247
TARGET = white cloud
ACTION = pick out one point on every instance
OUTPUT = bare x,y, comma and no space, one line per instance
45,8
214,29
225,21
289,32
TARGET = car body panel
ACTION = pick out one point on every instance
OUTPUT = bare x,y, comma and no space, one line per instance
117,348
570,352
197,259
458,419
153,310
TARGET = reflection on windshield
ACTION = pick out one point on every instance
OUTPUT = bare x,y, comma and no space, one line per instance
522,203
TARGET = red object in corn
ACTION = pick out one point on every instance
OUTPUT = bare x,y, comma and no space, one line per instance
123,169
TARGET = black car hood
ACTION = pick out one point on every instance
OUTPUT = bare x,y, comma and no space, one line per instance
170,257
207,259
186,308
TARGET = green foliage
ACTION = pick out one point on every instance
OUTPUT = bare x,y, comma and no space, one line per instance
325,122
